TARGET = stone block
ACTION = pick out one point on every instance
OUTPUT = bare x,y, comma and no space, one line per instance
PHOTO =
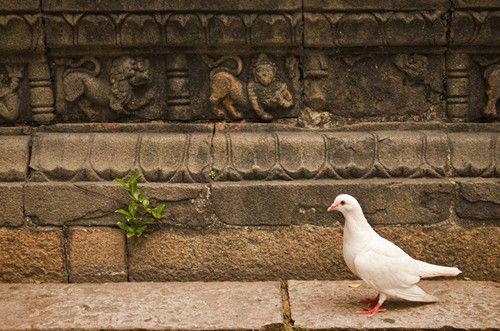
479,199
59,32
97,255
144,306
14,160
333,306
299,252
304,202
471,154
28,256
84,203
140,30
242,254
11,204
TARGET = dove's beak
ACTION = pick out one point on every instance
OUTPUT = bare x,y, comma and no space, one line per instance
332,207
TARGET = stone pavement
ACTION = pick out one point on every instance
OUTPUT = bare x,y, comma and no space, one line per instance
325,305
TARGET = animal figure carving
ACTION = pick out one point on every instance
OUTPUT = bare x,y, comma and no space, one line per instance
264,91
127,74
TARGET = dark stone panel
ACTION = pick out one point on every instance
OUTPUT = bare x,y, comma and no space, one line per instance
353,5
479,199
167,5
371,87
305,202
20,5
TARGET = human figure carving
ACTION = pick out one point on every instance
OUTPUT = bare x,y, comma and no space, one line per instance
82,85
264,91
9,98
492,77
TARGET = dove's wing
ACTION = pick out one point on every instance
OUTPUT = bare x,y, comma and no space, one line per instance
387,268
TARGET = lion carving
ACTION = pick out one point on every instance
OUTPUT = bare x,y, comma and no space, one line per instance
126,76
265,90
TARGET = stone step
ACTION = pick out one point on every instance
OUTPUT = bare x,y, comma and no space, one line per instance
325,305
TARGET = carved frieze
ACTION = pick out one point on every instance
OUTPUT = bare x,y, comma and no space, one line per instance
125,90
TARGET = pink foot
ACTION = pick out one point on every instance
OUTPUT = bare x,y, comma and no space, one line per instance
372,311
369,301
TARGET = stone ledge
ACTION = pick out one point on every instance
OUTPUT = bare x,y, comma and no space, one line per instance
144,306
197,205
235,156
11,204
333,306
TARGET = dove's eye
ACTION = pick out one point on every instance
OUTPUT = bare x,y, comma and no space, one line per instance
342,202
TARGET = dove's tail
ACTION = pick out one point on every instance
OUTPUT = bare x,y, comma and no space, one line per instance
432,270
412,293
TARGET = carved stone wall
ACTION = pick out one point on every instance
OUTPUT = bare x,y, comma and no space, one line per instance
246,118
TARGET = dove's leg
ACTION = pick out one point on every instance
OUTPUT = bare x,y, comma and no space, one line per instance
369,301
376,309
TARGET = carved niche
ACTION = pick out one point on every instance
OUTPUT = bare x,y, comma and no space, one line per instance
127,88
265,92
10,77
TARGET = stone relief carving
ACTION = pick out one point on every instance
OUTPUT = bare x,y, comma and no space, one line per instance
264,91
128,89
491,76
10,76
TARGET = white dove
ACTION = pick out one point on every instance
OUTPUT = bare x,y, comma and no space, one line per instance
381,264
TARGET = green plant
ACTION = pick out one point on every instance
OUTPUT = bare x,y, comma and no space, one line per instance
139,215
211,174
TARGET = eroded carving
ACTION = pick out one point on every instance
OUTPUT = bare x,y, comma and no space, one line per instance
492,77
265,90
127,90
10,76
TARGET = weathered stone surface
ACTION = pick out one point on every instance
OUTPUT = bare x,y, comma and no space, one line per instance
399,28
304,252
172,157
238,254
304,202
97,255
232,155
28,256
20,5
145,306
333,306
84,203
479,199
350,5
14,160
474,251
166,5
465,29
11,204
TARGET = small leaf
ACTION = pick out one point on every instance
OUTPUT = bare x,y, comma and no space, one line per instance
160,208
132,208
133,179
37,282
124,212
145,202
149,220
124,226
130,234
121,182
355,285
467,279
136,195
